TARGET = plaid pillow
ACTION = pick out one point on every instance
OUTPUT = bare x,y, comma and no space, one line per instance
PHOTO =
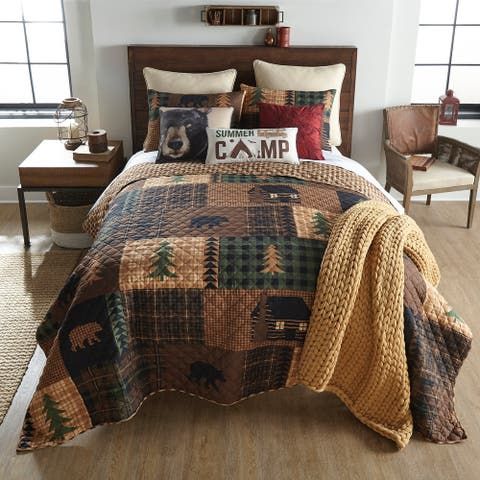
256,95
181,100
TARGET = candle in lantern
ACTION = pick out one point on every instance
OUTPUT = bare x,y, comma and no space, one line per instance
73,130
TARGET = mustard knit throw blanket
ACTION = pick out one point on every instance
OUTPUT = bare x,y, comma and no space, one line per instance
355,345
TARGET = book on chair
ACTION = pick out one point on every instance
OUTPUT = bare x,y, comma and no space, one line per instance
422,162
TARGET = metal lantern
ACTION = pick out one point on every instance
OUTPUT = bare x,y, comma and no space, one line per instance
449,107
71,118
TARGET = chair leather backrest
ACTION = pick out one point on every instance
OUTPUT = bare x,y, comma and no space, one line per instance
412,129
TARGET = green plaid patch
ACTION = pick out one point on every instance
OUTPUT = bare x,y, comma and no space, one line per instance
244,262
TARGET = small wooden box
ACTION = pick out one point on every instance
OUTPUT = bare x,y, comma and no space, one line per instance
83,154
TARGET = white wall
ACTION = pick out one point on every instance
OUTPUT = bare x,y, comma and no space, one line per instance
365,24
384,31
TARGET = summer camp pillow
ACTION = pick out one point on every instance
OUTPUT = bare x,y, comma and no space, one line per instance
256,95
161,99
183,135
235,145
308,120
289,77
176,82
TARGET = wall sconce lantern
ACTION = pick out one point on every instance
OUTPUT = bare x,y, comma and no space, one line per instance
71,118
449,107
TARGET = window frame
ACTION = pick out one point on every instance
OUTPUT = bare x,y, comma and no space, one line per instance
35,109
467,110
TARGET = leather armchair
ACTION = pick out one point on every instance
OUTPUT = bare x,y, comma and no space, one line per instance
413,130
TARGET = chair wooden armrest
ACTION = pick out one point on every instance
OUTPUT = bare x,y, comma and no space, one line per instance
399,168
458,153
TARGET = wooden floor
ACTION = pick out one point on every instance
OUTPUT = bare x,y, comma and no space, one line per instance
292,434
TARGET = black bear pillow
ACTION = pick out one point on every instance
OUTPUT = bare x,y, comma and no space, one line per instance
183,132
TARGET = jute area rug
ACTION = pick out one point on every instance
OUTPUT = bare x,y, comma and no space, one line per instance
29,284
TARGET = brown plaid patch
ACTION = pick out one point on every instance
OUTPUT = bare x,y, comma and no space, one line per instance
228,195
266,368
274,220
56,367
166,315
172,262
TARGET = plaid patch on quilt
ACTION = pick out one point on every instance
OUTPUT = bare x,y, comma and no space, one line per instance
201,279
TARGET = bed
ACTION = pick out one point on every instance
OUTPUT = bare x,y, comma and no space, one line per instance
207,279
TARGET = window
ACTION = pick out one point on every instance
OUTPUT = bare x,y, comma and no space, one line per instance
448,53
34,69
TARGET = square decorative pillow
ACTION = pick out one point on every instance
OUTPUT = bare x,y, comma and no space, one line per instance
256,95
183,132
312,79
236,145
162,99
308,120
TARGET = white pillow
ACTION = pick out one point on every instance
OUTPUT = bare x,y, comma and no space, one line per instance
230,145
313,79
176,82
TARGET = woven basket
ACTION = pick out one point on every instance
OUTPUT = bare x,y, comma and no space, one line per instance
66,220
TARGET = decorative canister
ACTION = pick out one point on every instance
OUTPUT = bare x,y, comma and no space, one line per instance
283,37
97,141
251,17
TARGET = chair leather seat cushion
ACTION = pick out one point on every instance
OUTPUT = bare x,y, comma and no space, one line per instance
441,175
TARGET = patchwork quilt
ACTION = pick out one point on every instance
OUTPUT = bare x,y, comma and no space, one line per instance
201,279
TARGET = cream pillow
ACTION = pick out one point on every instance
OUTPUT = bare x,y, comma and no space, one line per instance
176,82
230,145
290,77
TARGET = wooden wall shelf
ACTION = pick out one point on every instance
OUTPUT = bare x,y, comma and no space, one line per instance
237,15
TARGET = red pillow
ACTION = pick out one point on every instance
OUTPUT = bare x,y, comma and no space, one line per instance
308,120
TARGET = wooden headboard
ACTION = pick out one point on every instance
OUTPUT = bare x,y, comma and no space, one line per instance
196,59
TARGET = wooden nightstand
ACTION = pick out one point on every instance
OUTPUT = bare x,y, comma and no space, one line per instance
51,167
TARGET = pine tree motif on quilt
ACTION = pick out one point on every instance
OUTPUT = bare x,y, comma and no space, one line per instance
116,315
163,262
54,414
